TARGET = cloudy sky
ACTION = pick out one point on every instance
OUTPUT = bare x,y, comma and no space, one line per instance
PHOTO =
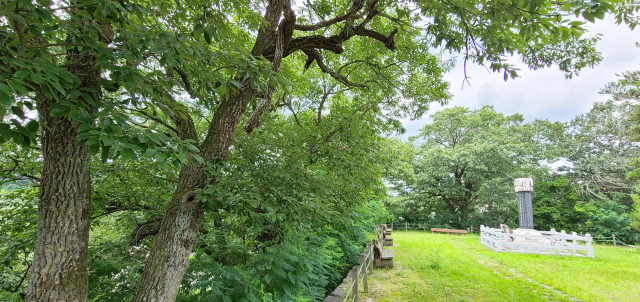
544,94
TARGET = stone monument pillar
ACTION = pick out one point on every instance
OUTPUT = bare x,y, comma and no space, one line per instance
524,187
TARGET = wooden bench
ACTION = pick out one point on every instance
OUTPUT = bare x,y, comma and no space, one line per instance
448,231
386,230
381,258
386,240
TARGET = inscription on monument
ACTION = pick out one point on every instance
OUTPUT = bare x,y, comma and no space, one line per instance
523,184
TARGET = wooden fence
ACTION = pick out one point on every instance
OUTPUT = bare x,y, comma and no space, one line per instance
405,226
364,270
613,239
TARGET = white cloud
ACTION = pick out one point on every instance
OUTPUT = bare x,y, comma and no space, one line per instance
545,94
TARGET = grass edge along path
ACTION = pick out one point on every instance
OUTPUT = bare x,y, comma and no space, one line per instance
439,267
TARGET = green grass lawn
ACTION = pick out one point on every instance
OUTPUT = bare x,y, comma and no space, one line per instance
439,267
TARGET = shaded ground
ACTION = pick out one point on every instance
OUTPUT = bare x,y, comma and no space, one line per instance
438,267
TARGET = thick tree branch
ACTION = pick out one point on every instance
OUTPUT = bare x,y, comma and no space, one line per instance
386,40
145,229
284,34
111,210
185,126
184,77
315,55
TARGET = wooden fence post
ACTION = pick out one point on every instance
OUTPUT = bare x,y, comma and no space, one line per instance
356,294
405,226
613,236
392,225
363,266
370,259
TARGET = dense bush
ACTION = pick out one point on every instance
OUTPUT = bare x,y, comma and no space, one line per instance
557,204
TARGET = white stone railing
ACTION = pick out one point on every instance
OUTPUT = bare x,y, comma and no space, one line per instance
537,242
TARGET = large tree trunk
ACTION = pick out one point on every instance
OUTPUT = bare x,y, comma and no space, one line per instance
60,259
60,268
168,259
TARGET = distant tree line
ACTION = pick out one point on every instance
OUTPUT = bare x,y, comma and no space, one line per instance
465,161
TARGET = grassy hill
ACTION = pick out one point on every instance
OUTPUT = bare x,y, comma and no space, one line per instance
438,267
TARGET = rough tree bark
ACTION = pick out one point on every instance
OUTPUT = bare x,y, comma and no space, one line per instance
60,262
60,269
169,257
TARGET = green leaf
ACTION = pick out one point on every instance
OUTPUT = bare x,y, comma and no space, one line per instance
6,89
27,104
5,99
91,42
170,60
33,126
192,147
207,37
5,131
60,110
26,142
198,158
17,111
128,154
81,116
47,90
18,138
197,31
236,83
105,153
94,149
83,136
22,74
214,33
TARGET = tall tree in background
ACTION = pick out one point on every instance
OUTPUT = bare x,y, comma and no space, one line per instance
627,91
598,151
96,69
468,160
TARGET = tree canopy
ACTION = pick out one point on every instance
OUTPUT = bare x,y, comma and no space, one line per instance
468,159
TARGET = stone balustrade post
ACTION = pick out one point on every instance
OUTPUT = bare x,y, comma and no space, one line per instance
589,245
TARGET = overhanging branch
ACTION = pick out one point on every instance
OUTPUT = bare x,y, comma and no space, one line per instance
315,55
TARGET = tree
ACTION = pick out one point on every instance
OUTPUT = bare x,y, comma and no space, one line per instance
554,205
598,151
55,59
469,159
96,69
627,90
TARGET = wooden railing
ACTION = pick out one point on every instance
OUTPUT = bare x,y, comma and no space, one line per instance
361,276
364,271
613,239
423,226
